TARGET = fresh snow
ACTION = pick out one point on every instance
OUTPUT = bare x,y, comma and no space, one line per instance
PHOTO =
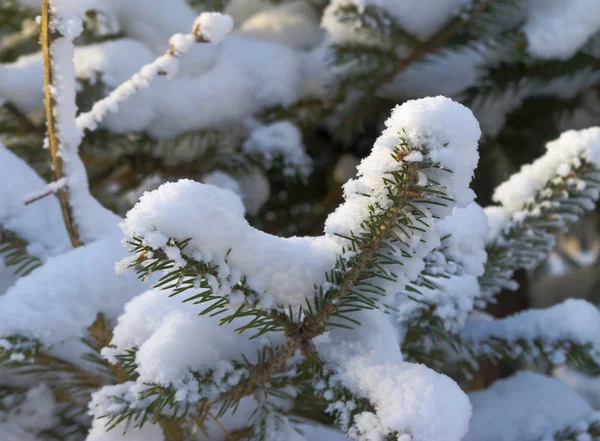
282,270
40,224
524,407
61,299
559,28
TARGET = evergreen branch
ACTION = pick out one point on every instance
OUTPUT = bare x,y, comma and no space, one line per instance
529,234
14,253
439,40
376,22
397,205
373,67
17,349
521,336
586,429
194,274
47,38
350,287
509,76
546,356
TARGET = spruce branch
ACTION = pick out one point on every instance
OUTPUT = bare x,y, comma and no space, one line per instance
587,428
439,40
524,337
528,234
511,76
351,287
13,251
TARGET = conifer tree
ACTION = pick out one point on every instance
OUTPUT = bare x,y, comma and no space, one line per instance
192,250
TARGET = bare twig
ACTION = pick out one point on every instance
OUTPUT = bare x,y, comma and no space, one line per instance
47,36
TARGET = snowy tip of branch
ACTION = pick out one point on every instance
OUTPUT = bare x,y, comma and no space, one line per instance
444,126
212,26
563,155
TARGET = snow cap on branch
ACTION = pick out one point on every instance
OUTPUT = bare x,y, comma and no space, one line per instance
407,398
213,26
280,269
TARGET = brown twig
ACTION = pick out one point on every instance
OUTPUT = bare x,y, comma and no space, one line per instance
228,434
47,36
38,197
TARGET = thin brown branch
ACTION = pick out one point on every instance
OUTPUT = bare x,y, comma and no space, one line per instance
47,36
228,435
38,197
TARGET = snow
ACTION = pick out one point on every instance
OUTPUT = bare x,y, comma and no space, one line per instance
223,180
534,203
345,169
524,407
455,266
226,85
466,230
255,192
588,387
213,26
41,223
166,65
452,301
219,87
368,362
51,187
92,219
279,142
60,299
282,270
241,10
444,130
559,28
446,73
121,432
498,219
75,8
172,341
573,321
434,130
36,412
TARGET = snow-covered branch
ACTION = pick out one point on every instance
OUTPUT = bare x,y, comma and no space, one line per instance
208,27
567,333
540,200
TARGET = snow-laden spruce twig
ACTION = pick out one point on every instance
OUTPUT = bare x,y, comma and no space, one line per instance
567,333
374,243
208,27
541,199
